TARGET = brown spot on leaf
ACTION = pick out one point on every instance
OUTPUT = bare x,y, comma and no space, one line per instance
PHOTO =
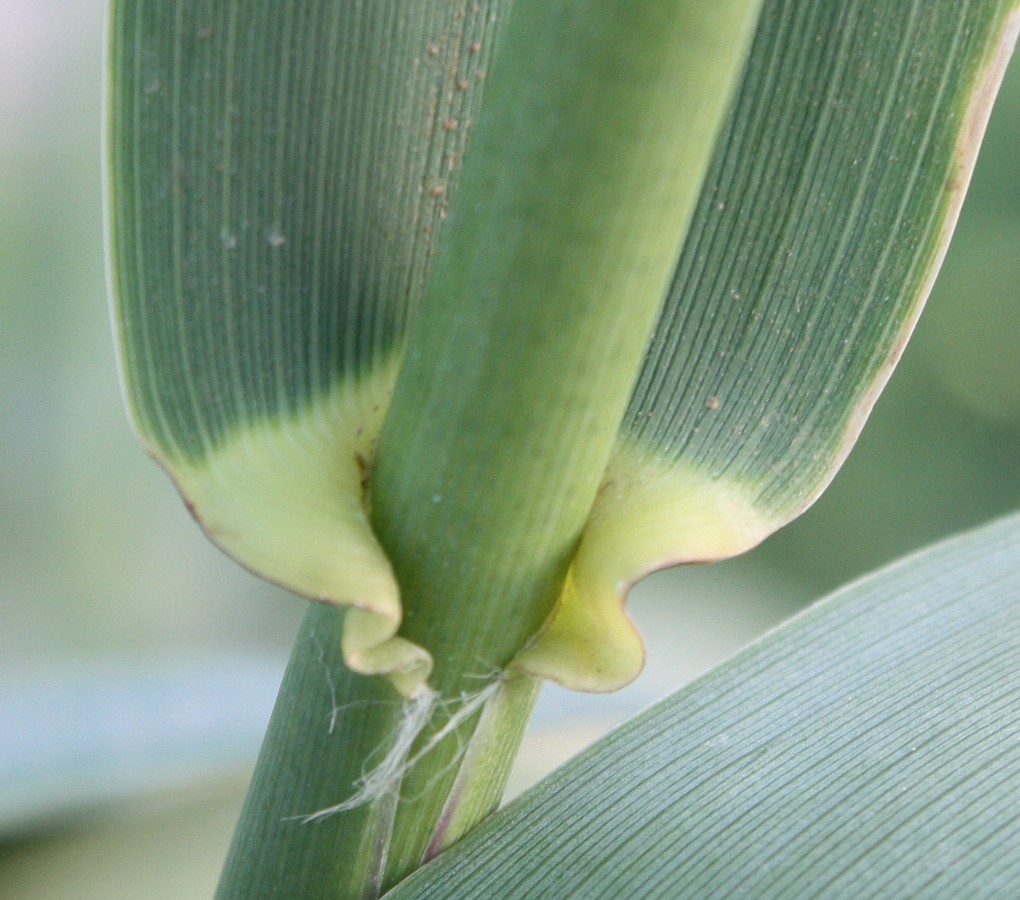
365,470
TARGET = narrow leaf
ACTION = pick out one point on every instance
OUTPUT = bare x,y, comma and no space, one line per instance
869,746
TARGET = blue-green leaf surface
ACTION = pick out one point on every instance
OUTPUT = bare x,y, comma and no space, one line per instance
868,747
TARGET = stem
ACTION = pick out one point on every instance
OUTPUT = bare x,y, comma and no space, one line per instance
598,125
481,778
329,728
324,726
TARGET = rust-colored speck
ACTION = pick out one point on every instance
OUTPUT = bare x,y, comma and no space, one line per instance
365,470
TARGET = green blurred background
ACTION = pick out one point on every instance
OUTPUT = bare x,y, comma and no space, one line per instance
137,665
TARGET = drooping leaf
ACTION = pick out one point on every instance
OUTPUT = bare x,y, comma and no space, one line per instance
868,747
825,215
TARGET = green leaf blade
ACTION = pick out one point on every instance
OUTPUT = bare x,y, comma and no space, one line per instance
827,209
278,179
259,257
870,744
